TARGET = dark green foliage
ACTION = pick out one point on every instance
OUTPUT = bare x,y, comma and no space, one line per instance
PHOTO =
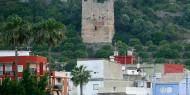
146,25
163,42
187,63
143,54
80,76
72,48
187,47
70,64
122,47
160,60
49,32
157,37
104,52
186,55
149,43
134,41
13,87
167,53
139,47
28,85
16,31
176,46
152,48
101,1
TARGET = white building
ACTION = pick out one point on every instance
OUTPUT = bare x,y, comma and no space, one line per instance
106,77
138,91
12,53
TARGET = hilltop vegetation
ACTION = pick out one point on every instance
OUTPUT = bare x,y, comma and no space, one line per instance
158,29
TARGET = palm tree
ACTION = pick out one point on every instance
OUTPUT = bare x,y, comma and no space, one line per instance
16,32
49,32
80,77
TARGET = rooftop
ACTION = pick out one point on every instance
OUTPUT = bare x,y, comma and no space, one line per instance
12,53
172,78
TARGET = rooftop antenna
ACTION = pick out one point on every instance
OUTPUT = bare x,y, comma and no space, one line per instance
115,50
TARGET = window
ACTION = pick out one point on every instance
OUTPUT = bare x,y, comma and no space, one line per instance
1,81
148,84
95,28
85,0
95,86
32,68
20,68
101,1
8,69
1,69
59,80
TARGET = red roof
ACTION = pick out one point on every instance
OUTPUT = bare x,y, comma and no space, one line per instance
173,68
24,59
124,59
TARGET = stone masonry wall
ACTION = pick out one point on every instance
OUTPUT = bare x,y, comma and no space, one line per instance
97,21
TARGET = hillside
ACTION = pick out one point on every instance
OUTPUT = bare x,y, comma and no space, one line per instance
158,29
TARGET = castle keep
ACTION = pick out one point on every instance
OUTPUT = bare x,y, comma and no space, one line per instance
97,21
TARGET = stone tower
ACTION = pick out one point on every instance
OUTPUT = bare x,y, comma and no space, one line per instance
97,21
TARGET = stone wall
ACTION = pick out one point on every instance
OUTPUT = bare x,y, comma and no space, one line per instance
97,21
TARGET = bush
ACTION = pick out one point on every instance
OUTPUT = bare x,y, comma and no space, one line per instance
160,60
152,48
122,47
143,54
187,47
187,63
138,47
104,52
176,46
134,41
186,55
167,53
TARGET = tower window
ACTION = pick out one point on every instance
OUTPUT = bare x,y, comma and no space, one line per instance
59,80
101,1
95,28
95,86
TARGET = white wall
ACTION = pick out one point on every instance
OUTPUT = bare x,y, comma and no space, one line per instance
102,70
12,53
95,66
89,89
112,71
182,86
138,91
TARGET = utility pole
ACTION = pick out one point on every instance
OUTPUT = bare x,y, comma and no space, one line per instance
187,82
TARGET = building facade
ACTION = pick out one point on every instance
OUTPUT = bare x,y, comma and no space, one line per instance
37,65
172,84
60,82
106,77
184,86
97,21
138,91
166,89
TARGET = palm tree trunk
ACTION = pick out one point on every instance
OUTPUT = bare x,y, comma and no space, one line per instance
49,56
16,62
81,88
49,61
